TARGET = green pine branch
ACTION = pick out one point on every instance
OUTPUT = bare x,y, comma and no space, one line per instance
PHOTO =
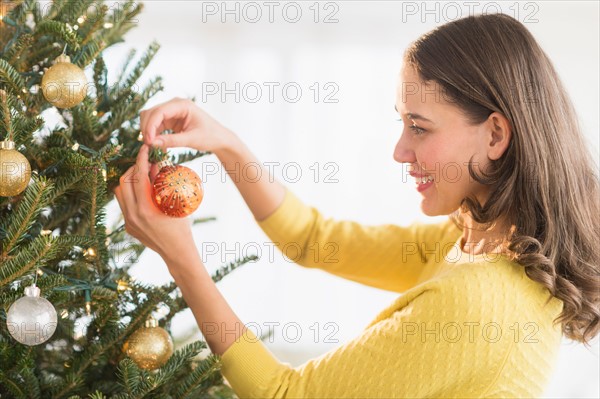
22,44
45,284
223,271
141,66
23,128
89,30
106,127
64,209
13,383
59,31
196,382
26,367
55,9
177,360
62,184
36,253
72,382
6,107
20,221
138,383
90,51
129,377
127,107
10,78
123,73
86,122
73,10
190,156
17,362
97,352
123,19
177,304
101,81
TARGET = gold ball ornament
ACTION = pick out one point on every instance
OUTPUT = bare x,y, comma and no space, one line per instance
150,347
178,190
64,84
15,170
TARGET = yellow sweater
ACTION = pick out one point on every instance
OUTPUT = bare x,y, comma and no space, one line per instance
464,326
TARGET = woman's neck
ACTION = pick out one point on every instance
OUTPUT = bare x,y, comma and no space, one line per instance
477,241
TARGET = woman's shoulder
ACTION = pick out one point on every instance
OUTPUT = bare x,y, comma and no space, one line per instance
501,285
442,232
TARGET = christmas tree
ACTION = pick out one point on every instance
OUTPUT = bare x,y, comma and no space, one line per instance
73,322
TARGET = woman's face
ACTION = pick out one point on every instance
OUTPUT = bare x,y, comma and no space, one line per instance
439,147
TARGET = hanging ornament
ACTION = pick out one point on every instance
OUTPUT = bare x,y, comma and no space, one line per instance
15,170
31,320
64,84
150,347
178,190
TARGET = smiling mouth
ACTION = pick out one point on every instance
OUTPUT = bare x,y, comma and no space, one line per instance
423,183
424,179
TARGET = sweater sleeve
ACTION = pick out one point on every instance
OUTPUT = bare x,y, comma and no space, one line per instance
388,256
420,350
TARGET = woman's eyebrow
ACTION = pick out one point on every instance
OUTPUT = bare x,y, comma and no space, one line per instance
410,115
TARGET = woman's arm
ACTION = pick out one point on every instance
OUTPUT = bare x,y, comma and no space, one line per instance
197,129
219,324
172,238
432,342
263,196
386,256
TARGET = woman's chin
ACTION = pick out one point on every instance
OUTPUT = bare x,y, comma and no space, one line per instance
426,209
431,208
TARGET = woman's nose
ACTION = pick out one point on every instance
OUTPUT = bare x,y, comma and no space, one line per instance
402,153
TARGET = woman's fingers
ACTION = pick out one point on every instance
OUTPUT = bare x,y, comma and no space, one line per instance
141,185
123,204
127,192
119,196
173,140
162,117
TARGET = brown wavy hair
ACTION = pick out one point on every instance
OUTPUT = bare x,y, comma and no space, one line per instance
545,184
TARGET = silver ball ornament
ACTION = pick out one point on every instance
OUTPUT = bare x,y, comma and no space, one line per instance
31,320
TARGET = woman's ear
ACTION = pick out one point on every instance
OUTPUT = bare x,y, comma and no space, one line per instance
500,133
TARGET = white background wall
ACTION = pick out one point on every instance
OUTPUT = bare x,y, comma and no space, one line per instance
360,54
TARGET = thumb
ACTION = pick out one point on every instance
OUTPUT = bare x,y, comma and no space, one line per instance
142,159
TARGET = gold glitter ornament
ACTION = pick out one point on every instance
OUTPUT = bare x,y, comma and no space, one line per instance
150,347
64,84
15,170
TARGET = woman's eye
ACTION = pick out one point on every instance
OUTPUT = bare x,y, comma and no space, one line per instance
418,130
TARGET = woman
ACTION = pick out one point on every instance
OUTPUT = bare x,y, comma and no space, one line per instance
494,142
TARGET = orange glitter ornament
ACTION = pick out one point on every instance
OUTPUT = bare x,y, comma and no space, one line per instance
178,190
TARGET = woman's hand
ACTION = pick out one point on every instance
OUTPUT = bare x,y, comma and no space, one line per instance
194,128
172,239
165,235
